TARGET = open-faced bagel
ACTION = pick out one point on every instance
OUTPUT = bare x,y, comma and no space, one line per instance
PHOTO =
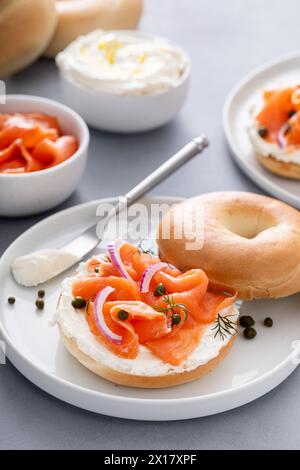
79,17
144,369
251,243
26,27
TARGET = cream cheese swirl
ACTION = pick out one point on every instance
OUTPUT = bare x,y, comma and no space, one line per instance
123,63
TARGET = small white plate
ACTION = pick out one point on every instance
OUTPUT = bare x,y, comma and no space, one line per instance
251,369
278,73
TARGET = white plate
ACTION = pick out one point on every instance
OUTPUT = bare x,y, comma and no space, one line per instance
251,369
236,117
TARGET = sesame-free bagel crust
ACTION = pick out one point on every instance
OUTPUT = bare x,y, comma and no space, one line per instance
251,243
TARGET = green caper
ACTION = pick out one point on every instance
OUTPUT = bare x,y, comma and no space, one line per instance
268,322
246,321
262,132
176,318
123,315
249,333
160,290
40,304
78,302
41,293
11,300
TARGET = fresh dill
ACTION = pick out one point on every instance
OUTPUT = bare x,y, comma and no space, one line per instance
171,306
144,251
224,326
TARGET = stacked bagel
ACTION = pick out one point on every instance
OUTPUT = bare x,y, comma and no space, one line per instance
30,28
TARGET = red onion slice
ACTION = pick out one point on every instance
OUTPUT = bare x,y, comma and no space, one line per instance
281,140
114,253
99,318
148,275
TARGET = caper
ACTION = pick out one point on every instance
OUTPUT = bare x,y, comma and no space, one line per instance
11,300
249,333
176,318
41,293
160,290
262,132
291,113
40,304
78,302
268,322
246,321
123,315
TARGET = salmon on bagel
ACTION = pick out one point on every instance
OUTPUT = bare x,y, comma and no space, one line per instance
247,242
274,131
136,321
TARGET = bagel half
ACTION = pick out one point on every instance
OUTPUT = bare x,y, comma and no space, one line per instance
251,243
26,27
79,17
140,381
286,169
92,354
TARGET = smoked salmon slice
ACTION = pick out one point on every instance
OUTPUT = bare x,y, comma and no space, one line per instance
53,153
32,142
88,287
143,323
17,159
276,110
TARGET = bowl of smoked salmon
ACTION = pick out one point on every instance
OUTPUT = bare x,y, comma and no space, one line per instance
43,153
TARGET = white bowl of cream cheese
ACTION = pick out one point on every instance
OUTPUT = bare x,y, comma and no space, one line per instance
124,81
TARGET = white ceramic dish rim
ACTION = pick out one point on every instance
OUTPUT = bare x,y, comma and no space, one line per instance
181,80
83,145
258,178
123,399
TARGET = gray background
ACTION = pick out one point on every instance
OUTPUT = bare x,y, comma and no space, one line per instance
225,39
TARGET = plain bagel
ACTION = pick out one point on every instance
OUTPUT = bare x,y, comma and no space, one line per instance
251,243
26,27
79,17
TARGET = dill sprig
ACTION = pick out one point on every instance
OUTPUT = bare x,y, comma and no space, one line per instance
224,326
146,252
171,306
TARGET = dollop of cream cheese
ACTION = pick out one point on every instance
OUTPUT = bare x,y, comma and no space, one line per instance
40,266
73,325
123,63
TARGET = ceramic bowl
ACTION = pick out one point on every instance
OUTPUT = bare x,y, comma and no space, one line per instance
31,193
126,113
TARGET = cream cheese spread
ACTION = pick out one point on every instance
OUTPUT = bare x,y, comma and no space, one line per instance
123,63
40,266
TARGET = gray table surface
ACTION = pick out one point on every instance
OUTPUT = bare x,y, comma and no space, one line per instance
225,40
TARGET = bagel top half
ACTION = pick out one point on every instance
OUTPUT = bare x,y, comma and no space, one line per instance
26,27
79,17
243,241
